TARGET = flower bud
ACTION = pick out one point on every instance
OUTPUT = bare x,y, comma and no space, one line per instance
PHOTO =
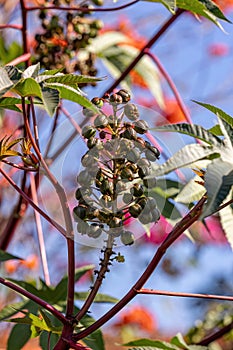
131,111
127,238
125,95
79,212
88,131
100,121
135,210
141,126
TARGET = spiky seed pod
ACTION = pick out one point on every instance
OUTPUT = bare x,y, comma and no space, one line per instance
107,187
152,153
127,238
133,167
145,218
149,183
88,131
131,111
88,160
141,126
100,121
125,95
135,210
79,212
126,173
116,99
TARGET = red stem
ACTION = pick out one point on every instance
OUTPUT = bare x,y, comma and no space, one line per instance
81,9
216,335
171,84
11,26
185,223
186,295
36,299
147,46
24,29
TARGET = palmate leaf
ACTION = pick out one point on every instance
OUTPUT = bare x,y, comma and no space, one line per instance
100,298
13,73
4,256
6,145
5,82
19,336
184,157
226,219
193,130
191,192
67,79
51,99
218,183
217,111
31,71
10,103
11,309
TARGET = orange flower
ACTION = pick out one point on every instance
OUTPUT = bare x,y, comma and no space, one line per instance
172,112
137,79
224,4
138,316
31,262
11,266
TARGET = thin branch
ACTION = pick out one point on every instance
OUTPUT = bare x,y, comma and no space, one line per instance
28,199
20,167
24,29
72,121
216,335
82,9
55,121
147,46
171,84
23,58
223,206
11,26
184,295
36,299
176,232
40,233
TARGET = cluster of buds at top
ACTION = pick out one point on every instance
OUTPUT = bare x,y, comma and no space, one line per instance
114,183
63,37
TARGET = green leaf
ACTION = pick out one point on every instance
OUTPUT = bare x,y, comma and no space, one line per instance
71,94
11,309
193,130
60,290
226,218
50,99
51,71
95,340
48,338
184,157
13,73
31,71
100,298
19,336
216,130
5,82
169,4
10,103
67,79
151,344
217,111
191,192
28,87
218,183
4,256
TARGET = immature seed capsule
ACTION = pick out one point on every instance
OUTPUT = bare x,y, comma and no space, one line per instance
137,190
141,126
144,171
79,212
100,121
115,222
93,142
152,153
82,227
149,183
127,198
144,162
84,179
94,230
155,214
89,113
129,134
127,238
88,160
131,111
133,155
126,173
135,210
116,99
98,102
145,218
88,131
125,95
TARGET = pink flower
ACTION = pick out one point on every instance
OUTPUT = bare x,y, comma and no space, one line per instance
158,232
218,49
212,232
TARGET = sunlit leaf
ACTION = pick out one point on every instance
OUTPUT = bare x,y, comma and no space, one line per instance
67,79
149,344
31,71
28,87
217,111
5,82
100,298
50,99
13,73
191,192
11,309
226,218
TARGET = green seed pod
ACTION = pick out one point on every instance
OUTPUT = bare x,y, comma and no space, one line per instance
137,190
98,102
88,160
97,24
133,167
125,95
127,198
155,214
88,131
127,238
92,213
82,227
141,126
107,187
98,2
142,201
100,121
144,162
135,210
149,183
106,201
145,218
131,111
79,212
121,186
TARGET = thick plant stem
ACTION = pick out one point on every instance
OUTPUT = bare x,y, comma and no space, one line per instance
177,231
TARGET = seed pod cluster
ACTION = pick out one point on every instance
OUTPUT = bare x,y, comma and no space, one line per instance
114,183
64,36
